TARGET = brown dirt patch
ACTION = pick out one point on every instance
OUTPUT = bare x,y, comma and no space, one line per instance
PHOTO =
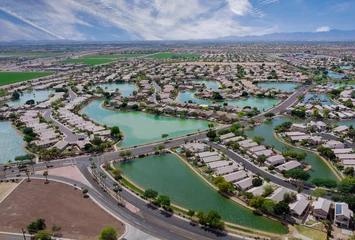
5,188
57,203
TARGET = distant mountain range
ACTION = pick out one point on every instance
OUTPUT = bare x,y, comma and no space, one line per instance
332,35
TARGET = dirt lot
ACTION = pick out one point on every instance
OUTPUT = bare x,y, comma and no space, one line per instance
5,188
57,203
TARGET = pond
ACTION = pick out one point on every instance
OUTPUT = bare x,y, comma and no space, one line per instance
322,98
280,86
346,67
266,130
38,96
168,175
139,127
335,75
261,103
125,88
11,143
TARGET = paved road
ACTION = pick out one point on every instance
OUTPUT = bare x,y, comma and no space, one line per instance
157,90
70,136
72,94
149,220
255,169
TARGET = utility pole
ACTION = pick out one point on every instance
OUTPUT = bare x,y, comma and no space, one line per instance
23,232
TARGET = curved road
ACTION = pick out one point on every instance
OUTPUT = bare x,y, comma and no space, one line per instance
148,219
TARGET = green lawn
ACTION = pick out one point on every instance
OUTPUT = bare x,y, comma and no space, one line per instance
113,56
174,55
311,233
14,77
87,61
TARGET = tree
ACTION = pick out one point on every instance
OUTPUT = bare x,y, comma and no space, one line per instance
349,171
281,208
27,171
214,220
163,200
85,192
261,159
267,190
164,135
201,218
319,193
257,182
289,197
115,131
258,139
224,186
117,173
298,174
15,96
269,114
45,174
108,233
211,134
96,141
36,226
30,102
43,235
150,193
190,213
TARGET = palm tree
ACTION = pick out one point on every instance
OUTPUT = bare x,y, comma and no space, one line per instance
45,174
28,174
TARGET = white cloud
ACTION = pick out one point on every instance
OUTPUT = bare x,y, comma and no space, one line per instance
265,2
240,7
141,19
323,29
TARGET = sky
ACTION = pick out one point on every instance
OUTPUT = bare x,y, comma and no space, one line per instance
125,20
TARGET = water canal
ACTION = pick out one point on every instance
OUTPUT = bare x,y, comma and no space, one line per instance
321,98
266,130
261,103
125,88
168,175
11,143
37,96
139,127
280,86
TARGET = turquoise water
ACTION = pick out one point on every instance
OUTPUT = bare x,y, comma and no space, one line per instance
280,86
324,99
38,96
125,88
140,128
261,103
11,143
335,75
346,67
319,168
168,175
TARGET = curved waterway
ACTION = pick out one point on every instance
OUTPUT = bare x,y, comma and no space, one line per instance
319,168
322,98
139,127
261,103
280,86
11,143
38,96
125,88
168,175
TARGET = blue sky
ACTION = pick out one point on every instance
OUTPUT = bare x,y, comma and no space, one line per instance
168,19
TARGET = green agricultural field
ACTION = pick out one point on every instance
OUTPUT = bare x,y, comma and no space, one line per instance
113,56
174,55
14,77
87,61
